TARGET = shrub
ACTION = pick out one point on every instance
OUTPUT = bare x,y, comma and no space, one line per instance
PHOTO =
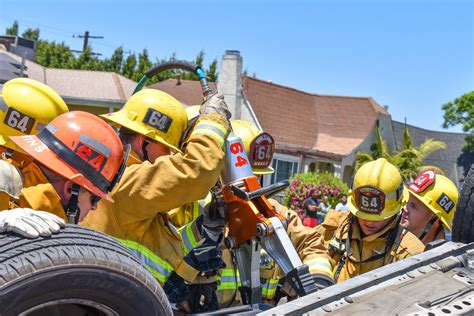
324,183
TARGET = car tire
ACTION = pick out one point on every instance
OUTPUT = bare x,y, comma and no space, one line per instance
76,272
463,222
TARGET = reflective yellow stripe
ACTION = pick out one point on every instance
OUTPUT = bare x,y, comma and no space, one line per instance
320,265
269,288
195,209
215,126
160,268
187,235
212,129
228,280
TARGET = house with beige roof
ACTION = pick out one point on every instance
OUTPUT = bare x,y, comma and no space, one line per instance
97,92
313,132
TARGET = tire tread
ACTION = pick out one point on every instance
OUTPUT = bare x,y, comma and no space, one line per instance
73,246
463,222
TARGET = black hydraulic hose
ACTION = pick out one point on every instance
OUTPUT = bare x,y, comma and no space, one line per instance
176,64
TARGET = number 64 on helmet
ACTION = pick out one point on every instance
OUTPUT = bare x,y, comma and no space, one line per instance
26,106
81,148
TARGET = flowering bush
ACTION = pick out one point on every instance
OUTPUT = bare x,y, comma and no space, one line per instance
324,183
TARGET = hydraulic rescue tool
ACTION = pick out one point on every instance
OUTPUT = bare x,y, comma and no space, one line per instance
253,222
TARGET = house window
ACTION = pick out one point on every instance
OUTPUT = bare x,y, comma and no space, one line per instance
284,170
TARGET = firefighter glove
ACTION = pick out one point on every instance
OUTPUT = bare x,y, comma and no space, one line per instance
203,297
216,104
176,289
215,213
30,223
206,258
322,281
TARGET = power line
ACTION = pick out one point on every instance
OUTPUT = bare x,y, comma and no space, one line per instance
62,33
86,37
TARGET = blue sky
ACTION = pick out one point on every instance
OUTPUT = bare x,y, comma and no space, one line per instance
410,55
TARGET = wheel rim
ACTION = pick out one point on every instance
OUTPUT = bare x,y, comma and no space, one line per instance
77,302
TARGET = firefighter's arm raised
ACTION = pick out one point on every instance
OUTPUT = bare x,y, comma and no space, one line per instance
172,181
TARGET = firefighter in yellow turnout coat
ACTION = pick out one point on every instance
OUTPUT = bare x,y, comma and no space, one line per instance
369,236
26,106
431,206
80,157
303,238
154,182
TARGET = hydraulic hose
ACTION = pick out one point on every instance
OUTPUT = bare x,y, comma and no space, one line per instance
176,64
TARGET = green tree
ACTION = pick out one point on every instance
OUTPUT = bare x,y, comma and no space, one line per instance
144,64
212,72
32,34
59,55
379,149
409,159
88,61
461,112
13,30
115,62
129,66
54,55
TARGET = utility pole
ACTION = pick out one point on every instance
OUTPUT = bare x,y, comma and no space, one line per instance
86,37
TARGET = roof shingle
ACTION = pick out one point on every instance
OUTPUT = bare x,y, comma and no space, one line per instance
85,84
188,92
316,123
327,125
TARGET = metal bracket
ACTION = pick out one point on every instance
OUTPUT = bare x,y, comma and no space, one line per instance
266,191
280,248
248,261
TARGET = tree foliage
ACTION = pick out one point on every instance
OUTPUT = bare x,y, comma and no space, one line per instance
32,34
461,112
133,66
54,55
13,30
408,158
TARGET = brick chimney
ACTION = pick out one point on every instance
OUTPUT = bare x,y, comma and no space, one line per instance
229,81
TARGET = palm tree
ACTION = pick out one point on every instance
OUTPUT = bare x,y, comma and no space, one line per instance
379,149
409,158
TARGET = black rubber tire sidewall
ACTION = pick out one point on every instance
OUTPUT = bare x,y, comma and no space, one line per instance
77,263
463,222
114,290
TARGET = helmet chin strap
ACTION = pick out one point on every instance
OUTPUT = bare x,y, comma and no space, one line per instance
428,227
73,211
145,152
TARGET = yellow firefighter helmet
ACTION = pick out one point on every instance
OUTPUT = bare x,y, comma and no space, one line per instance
259,145
377,191
438,193
26,106
154,114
